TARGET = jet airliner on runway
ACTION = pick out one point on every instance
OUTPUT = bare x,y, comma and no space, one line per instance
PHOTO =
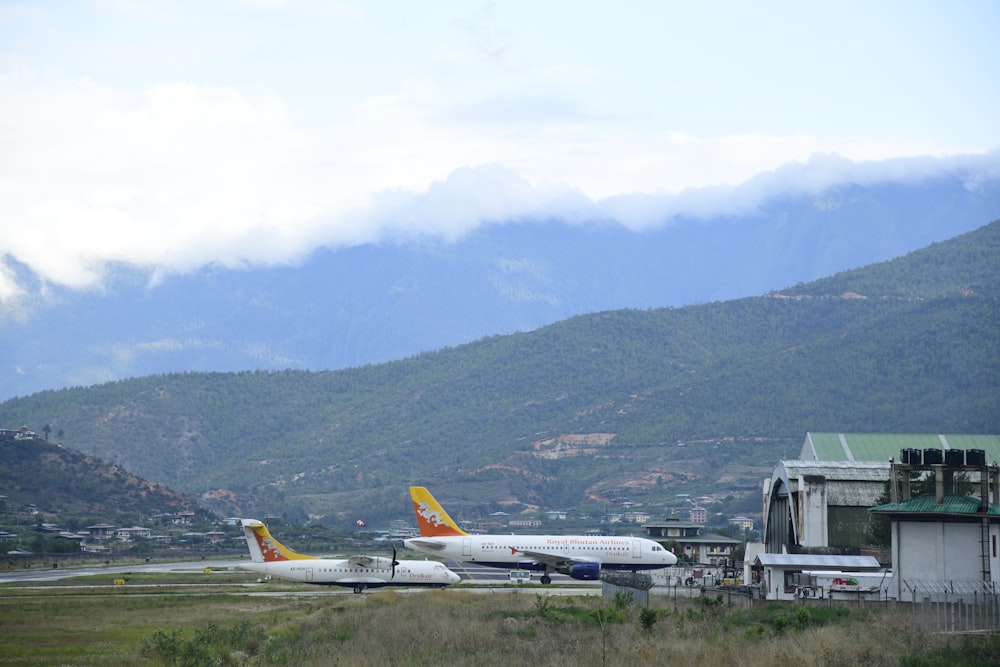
579,556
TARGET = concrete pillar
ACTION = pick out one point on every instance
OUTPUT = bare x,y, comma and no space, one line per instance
984,490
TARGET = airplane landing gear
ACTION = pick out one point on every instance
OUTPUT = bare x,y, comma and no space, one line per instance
546,579
358,589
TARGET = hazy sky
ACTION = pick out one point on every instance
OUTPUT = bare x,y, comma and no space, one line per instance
168,135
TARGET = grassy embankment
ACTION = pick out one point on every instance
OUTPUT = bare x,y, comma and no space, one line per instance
148,622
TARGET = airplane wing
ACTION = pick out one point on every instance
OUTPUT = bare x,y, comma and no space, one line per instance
558,563
366,561
426,543
376,562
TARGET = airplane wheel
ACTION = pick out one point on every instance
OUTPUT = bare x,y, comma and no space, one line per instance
546,579
358,589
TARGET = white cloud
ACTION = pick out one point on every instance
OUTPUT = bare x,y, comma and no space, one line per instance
180,176
9,287
168,136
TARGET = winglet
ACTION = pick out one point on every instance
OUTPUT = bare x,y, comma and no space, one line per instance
263,547
432,520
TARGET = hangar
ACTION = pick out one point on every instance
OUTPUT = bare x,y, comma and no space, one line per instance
823,503
881,447
821,506
819,503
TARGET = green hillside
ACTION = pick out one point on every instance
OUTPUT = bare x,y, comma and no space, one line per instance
588,409
56,479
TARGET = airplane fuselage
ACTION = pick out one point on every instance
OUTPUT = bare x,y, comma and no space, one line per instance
584,556
336,572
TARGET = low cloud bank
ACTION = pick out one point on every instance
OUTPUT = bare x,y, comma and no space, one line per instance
73,244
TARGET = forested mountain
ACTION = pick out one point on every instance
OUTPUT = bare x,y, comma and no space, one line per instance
379,302
57,479
593,407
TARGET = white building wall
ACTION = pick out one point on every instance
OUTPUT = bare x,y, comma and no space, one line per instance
939,551
994,556
773,584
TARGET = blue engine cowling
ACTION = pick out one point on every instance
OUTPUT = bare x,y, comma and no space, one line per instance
585,570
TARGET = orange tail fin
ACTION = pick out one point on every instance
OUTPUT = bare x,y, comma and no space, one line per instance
263,547
432,520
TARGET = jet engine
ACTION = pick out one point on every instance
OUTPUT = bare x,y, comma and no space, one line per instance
590,570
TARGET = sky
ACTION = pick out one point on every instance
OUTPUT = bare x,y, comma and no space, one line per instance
171,135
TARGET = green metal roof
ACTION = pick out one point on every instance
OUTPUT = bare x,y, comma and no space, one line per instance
927,504
885,446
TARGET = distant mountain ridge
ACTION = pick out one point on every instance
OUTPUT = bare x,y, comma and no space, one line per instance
591,407
377,303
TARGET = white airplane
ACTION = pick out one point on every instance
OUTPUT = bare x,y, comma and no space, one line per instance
579,556
271,558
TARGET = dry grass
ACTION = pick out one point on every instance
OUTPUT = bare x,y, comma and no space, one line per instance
451,627
476,629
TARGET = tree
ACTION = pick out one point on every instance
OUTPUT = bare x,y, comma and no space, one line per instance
879,526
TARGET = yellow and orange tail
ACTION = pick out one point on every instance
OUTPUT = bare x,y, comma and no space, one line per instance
432,520
263,547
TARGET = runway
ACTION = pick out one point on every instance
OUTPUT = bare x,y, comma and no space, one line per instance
58,574
475,578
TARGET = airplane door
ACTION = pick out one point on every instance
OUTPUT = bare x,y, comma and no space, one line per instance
636,549
466,547
309,574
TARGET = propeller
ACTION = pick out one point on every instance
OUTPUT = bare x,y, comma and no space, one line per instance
394,562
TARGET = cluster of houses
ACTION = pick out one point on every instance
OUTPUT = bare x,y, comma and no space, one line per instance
23,433
97,538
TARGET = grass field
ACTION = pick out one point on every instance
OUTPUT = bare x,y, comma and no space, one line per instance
232,620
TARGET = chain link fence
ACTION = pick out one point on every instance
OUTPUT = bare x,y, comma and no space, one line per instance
954,606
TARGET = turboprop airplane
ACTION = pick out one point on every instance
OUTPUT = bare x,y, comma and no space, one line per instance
579,556
271,558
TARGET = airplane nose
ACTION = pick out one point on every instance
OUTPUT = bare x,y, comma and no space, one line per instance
453,578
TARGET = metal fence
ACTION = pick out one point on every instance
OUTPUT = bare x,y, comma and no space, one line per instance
954,606
632,584
934,606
